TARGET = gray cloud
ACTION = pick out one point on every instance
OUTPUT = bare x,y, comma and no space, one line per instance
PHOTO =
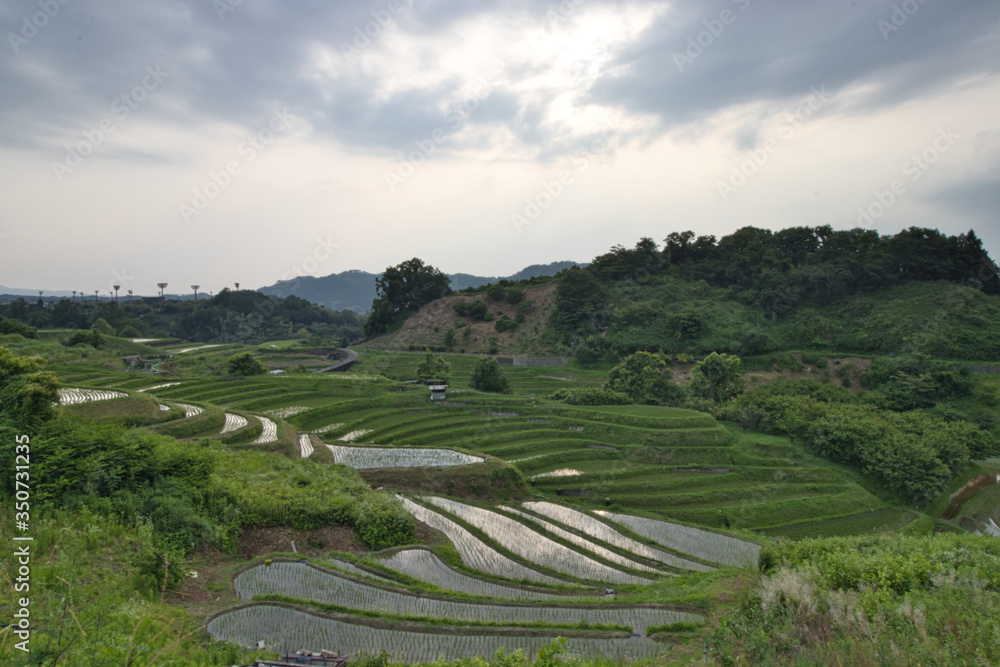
777,52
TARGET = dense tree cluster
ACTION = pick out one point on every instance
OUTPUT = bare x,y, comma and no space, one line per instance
487,376
231,316
906,433
756,291
401,290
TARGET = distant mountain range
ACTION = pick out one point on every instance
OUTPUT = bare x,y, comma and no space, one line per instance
350,290
355,290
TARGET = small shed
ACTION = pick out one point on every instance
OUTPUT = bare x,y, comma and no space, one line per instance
438,391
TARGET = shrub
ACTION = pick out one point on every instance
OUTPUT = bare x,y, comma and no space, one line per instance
495,292
477,310
101,325
129,331
596,397
515,295
433,368
487,376
245,364
505,324
381,522
15,327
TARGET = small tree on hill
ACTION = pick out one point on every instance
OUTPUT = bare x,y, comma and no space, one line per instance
101,325
718,377
495,292
401,290
644,378
487,376
433,367
245,364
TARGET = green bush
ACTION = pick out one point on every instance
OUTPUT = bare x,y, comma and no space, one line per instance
487,376
245,364
505,324
382,522
476,309
515,295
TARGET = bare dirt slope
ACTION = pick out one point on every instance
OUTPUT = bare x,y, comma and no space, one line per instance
429,326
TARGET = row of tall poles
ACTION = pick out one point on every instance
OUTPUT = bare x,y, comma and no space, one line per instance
162,287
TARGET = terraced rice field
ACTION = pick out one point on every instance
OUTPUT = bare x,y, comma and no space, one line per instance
426,566
474,553
561,472
285,413
75,396
191,410
283,629
593,470
583,543
713,547
305,445
233,423
522,541
362,458
269,433
354,435
599,530
306,582
195,348
159,386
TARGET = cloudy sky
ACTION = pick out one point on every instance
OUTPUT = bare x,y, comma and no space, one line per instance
216,141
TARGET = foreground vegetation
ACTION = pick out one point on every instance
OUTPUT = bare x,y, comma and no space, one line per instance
748,482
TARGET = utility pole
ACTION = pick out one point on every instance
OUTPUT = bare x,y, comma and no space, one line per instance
74,296
162,287
130,297
195,288
237,286
117,287
96,298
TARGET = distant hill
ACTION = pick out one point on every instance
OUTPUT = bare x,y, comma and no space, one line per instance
355,290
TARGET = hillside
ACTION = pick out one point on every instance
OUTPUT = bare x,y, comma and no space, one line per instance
430,325
355,290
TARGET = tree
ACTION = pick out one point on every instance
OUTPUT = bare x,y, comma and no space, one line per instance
101,325
495,292
433,368
580,303
644,378
718,377
401,290
487,376
26,392
245,364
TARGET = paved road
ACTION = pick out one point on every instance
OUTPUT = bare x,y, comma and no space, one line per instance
347,359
